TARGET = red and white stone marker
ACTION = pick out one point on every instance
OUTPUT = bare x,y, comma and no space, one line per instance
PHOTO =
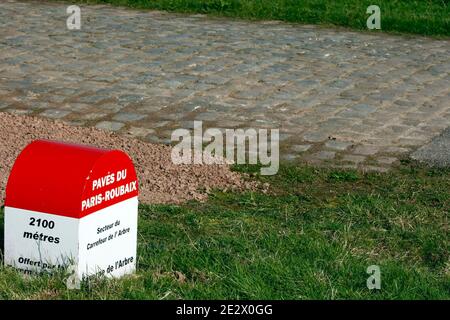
71,205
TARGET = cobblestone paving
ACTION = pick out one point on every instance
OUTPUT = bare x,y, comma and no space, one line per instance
340,97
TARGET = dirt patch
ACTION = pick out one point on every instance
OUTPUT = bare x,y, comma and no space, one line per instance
160,181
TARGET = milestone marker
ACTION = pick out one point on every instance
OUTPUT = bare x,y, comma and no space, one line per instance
71,205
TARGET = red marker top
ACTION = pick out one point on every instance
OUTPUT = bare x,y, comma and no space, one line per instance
69,180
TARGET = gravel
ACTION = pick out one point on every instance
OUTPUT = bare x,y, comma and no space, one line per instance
437,152
160,180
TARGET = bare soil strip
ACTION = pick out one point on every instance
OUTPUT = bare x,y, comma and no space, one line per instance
160,181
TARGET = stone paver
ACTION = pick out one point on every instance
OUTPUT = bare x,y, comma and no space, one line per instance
324,155
437,152
387,160
110,125
366,150
338,145
301,147
353,158
351,96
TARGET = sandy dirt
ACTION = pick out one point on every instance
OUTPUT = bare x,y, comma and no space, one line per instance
160,181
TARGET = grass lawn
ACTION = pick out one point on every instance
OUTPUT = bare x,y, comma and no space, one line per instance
312,237
426,17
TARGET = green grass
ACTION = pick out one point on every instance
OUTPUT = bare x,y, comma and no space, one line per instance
425,17
312,237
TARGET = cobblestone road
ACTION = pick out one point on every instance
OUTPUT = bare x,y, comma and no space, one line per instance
353,99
